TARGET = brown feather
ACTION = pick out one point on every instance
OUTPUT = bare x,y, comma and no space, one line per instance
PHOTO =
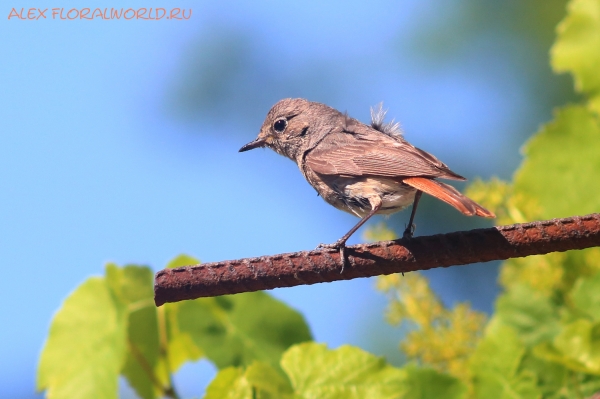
368,152
449,195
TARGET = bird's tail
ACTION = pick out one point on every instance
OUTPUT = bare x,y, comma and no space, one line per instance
449,195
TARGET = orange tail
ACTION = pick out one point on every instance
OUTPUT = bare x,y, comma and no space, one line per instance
449,195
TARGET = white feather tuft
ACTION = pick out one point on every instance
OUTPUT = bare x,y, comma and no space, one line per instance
377,121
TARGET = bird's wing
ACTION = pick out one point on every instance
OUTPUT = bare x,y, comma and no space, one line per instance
374,154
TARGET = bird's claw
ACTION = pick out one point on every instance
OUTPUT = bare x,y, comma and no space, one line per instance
339,244
409,231
336,245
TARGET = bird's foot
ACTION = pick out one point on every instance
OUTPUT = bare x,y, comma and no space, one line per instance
341,245
409,231
336,245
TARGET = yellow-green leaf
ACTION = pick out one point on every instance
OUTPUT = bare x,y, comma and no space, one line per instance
85,349
532,315
230,383
268,381
577,49
577,347
562,166
182,260
586,296
495,366
351,373
236,330
133,286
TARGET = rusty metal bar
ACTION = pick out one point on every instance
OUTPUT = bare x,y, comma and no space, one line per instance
386,257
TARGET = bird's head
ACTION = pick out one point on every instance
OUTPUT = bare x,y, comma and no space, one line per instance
289,126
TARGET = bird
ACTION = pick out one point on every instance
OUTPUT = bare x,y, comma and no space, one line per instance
358,168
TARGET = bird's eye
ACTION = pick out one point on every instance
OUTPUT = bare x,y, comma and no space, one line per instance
280,125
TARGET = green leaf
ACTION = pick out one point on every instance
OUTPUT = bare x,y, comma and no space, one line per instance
577,347
580,343
86,345
586,296
494,194
267,378
551,377
500,350
258,381
532,315
427,383
268,381
348,372
562,165
230,383
236,330
181,346
495,365
594,104
133,286
577,49
556,381
182,260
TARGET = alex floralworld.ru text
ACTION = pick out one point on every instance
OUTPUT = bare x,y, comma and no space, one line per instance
99,13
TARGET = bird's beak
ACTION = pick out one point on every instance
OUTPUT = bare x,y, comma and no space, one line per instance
258,142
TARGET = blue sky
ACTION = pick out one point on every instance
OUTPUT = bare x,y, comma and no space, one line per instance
94,167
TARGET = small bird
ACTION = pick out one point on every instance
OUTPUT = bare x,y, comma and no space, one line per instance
361,169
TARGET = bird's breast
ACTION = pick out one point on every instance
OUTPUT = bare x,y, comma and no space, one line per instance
357,194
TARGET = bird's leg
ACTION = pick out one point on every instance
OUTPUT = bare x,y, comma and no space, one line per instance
341,243
408,233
